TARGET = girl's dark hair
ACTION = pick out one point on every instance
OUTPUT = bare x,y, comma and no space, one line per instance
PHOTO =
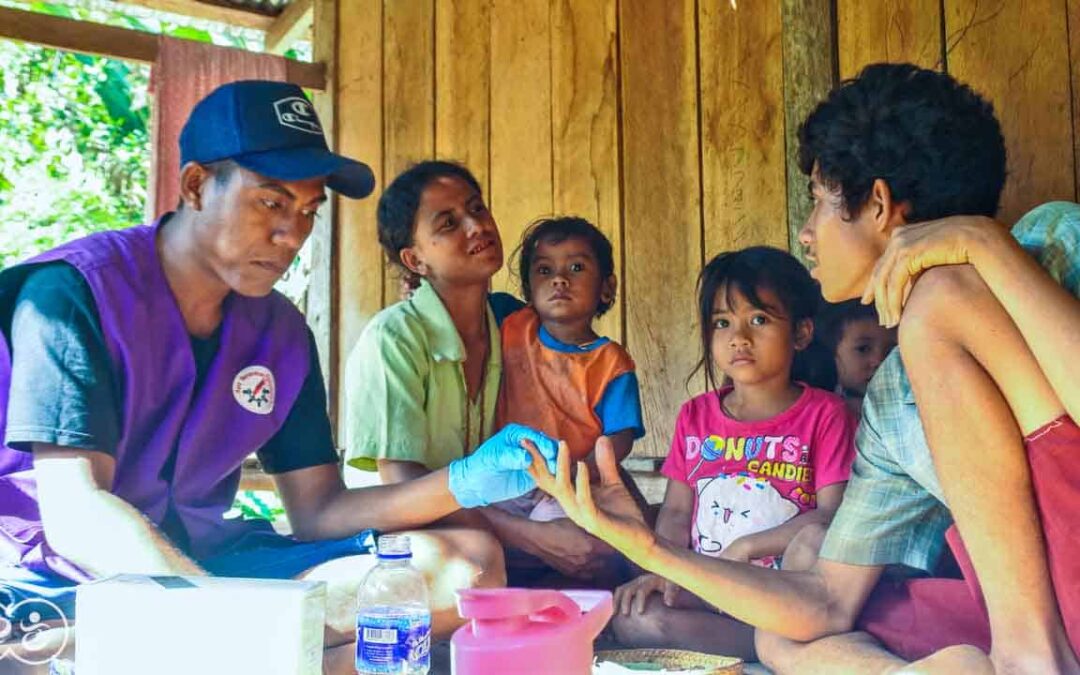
556,231
396,213
748,272
933,140
833,317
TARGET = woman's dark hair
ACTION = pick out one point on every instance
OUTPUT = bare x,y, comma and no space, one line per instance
396,213
933,140
556,231
749,272
832,318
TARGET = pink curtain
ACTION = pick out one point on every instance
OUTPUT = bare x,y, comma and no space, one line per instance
184,73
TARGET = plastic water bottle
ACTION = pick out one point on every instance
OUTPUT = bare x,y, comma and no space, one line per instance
393,622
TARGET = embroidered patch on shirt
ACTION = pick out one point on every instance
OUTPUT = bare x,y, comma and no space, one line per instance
253,388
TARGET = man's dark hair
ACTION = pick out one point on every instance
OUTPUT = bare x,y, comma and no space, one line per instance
933,140
556,231
396,213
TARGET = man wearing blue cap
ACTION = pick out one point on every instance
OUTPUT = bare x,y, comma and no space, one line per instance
139,367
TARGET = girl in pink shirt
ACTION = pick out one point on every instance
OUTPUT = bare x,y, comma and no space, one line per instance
751,462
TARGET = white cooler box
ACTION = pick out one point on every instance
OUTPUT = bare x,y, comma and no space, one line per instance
134,625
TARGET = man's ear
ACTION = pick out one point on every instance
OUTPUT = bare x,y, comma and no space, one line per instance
804,334
412,261
886,213
608,289
193,180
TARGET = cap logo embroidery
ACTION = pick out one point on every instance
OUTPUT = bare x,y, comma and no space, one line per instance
254,389
297,113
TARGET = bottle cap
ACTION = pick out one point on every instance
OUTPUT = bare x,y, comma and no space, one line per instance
394,547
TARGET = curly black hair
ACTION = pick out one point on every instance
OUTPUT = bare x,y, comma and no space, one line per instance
933,140
396,213
556,231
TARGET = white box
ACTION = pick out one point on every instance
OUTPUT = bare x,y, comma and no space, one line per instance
134,625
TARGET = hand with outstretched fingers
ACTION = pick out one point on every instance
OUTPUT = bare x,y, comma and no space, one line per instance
605,510
500,467
915,248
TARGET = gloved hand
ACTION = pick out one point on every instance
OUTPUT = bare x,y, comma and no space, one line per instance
497,471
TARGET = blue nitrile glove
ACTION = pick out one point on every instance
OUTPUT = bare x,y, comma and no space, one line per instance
497,471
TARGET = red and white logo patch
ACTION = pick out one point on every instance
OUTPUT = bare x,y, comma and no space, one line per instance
254,389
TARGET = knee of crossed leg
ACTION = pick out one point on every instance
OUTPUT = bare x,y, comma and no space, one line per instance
648,628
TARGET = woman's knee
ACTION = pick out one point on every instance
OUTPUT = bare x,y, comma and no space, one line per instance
456,559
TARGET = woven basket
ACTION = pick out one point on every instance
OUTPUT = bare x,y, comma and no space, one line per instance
674,659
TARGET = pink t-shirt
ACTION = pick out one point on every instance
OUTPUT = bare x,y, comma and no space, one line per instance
752,476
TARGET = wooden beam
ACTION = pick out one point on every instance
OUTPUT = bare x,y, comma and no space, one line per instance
207,11
120,43
293,24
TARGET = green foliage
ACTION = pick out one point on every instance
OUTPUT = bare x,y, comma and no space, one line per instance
74,129
75,146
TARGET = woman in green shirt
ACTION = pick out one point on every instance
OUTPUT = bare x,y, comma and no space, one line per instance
423,379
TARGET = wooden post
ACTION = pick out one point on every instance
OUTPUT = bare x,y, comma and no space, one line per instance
809,74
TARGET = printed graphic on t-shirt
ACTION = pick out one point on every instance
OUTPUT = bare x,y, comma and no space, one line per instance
732,506
746,484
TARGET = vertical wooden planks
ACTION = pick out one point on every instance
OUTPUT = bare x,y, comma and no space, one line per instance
888,30
408,96
742,127
809,73
1074,74
1016,53
321,311
662,210
520,121
585,137
462,92
359,131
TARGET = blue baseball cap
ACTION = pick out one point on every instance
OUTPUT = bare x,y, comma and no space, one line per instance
270,128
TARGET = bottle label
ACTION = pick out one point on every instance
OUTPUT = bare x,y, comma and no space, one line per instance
384,644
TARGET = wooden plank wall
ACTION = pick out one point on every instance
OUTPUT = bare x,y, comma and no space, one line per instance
669,124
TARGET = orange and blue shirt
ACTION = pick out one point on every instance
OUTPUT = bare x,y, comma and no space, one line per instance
575,393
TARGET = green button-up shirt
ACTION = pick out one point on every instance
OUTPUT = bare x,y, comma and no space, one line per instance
405,393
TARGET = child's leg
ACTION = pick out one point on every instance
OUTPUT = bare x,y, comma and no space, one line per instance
978,388
701,630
